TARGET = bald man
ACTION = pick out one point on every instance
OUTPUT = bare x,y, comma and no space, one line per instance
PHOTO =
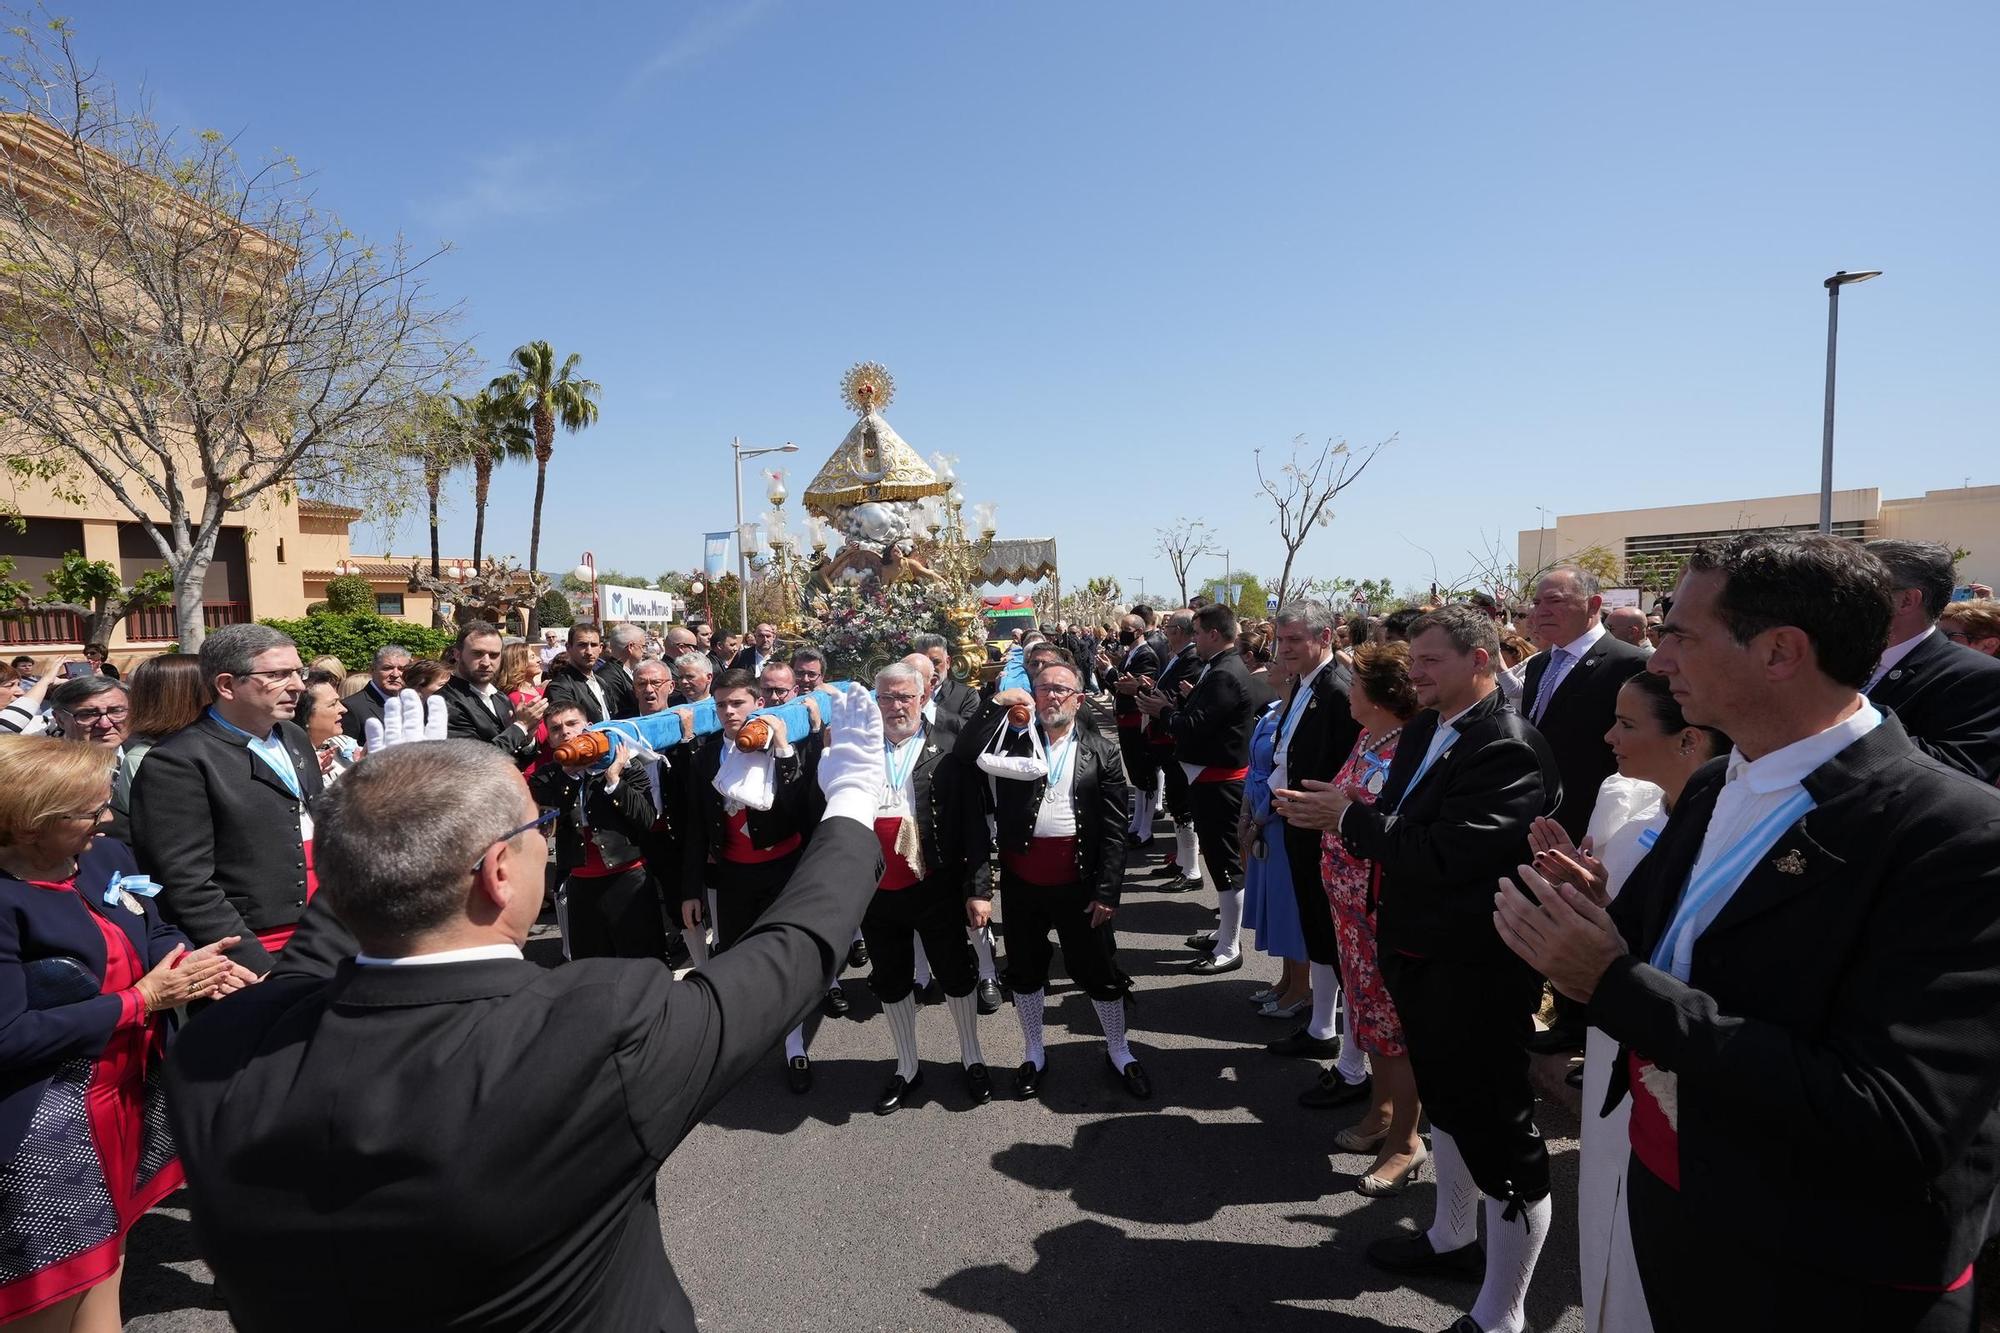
1628,623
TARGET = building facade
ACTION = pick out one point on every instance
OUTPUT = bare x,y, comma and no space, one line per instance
1964,518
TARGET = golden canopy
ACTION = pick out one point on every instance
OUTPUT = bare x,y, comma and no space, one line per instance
872,463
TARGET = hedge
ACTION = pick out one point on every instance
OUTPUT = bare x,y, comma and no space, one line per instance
354,638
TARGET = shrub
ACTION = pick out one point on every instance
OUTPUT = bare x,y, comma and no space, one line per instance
354,638
349,595
553,610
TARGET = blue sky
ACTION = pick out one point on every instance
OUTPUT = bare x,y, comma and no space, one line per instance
1569,254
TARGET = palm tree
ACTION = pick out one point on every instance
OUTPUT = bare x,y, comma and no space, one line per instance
495,434
543,396
439,443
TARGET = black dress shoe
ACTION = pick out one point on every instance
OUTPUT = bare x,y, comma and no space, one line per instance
1180,884
857,954
799,1073
1464,1324
1200,943
1134,1078
979,1084
1027,1081
1211,967
1413,1255
1304,1046
891,1100
988,992
837,1003
1332,1090
1558,1040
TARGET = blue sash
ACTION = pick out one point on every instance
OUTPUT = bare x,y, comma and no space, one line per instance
1710,891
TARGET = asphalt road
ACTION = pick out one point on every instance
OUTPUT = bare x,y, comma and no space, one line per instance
1216,1205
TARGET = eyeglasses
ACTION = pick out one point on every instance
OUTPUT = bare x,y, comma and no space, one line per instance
1057,692
282,676
89,816
92,716
541,821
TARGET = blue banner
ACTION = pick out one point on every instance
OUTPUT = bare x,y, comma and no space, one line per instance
715,552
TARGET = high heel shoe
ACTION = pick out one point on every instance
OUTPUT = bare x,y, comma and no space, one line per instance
1377,1187
1352,1139
1264,996
1272,1009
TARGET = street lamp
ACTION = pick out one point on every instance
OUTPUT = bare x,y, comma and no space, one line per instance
743,544
586,573
1833,286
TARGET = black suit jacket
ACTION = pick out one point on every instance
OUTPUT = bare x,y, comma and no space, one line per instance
616,682
1579,713
219,831
467,717
1947,696
1320,744
1464,826
496,1167
1837,1041
567,686
1143,661
1100,797
956,700
363,704
1212,726
703,826
746,659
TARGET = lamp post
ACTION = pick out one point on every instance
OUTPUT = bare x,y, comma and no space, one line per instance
586,572
1833,286
743,546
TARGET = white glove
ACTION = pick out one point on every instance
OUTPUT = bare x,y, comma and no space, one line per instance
850,765
407,717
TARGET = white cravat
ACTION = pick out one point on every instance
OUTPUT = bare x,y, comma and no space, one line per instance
471,954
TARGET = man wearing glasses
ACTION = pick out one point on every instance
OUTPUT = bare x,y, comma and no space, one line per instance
385,682
95,710
222,811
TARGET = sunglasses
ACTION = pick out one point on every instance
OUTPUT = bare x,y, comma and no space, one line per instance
541,821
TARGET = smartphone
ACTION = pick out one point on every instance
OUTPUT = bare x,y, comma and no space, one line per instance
72,670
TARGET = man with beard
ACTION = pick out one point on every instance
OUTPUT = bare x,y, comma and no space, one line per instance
475,709
929,812
1062,864
1127,674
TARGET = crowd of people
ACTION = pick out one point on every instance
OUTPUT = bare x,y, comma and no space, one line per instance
1739,853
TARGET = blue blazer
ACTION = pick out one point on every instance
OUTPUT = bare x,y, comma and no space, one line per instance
37,923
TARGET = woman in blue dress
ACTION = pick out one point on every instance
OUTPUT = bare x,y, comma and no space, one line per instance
1269,909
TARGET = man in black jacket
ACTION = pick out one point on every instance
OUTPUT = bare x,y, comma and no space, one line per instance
385,682
1062,864
762,648
1946,695
222,810
607,902
579,1080
591,680
1181,662
1804,974
1468,779
1209,715
950,696
931,812
1126,672
1570,693
474,707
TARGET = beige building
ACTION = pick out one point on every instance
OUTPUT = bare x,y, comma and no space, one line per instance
1965,518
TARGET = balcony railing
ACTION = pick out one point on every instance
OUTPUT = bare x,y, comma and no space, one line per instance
155,624
45,627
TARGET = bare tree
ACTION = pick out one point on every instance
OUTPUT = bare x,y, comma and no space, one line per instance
1184,543
1303,490
192,335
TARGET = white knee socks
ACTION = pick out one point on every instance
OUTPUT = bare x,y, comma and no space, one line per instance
1187,848
982,944
1229,931
902,1016
965,1017
1457,1222
1028,1004
1111,1016
1326,990
1159,793
1352,1066
1511,1251
1142,819
795,1042
923,972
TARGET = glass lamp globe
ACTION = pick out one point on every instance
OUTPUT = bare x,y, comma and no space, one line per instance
584,574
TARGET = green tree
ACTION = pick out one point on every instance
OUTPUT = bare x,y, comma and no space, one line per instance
542,395
1245,594
553,610
436,439
494,435
91,590
350,594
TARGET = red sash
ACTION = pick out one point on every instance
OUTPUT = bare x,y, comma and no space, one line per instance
1047,862
1222,775
897,873
737,847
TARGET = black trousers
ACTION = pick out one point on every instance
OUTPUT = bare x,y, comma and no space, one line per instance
1142,763
743,891
614,916
1695,1284
1315,910
1215,806
933,909
1177,786
1467,1025
1089,952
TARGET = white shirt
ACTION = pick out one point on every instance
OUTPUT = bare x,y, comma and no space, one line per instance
1894,655
476,953
1558,672
596,689
1056,818
1753,788
1447,729
1301,697
488,693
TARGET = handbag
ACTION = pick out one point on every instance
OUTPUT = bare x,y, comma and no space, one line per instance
59,980
994,761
